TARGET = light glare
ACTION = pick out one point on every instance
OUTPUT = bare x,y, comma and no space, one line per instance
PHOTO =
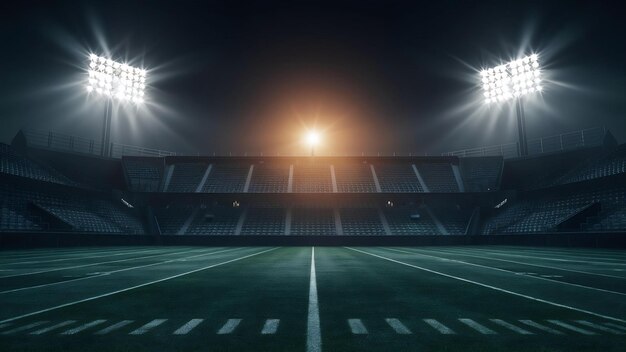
514,79
114,79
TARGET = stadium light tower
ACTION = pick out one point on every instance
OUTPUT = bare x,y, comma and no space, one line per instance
513,80
114,81
312,139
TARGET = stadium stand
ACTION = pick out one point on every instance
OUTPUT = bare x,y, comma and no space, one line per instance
438,177
143,174
574,190
312,177
186,177
398,178
226,178
269,178
354,178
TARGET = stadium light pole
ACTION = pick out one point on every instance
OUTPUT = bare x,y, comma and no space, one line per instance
312,139
115,81
513,80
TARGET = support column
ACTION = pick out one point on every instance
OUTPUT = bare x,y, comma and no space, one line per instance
248,179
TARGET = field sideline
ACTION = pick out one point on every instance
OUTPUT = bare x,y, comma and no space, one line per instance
313,299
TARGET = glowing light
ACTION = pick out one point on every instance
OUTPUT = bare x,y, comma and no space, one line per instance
312,138
116,80
519,76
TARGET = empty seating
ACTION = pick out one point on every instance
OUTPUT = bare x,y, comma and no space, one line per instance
172,218
218,220
226,178
438,177
312,222
143,174
354,178
481,174
361,222
269,178
397,178
595,169
80,219
409,220
264,221
186,177
312,178
15,164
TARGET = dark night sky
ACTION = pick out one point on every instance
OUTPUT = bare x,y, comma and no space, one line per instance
374,76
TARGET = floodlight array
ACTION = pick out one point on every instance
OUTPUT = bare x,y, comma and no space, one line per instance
116,80
512,80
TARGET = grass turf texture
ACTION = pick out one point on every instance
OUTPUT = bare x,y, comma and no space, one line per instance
371,284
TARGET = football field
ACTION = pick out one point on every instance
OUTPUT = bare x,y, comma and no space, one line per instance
313,299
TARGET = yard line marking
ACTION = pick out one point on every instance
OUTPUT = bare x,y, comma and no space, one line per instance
53,327
5,325
579,259
25,327
83,327
229,327
115,326
82,258
599,327
115,271
533,276
398,327
185,329
134,287
530,264
616,326
492,287
79,266
357,327
270,327
478,327
439,327
571,327
147,327
540,327
511,327
313,331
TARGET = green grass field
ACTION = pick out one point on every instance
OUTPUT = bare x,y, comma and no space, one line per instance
313,299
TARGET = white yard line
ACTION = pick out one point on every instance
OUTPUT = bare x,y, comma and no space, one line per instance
599,327
185,329
357,327
229,327
147,327
314,334
80,266
114,327
83,327
478,327
398,327
540,327
270,327
25,327
511,272
53,327
511,327
492,287
439,327
133,287
116,271
482,255
99,255
571,327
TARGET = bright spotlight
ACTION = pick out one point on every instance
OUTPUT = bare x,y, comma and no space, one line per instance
313,138
511,80
117,80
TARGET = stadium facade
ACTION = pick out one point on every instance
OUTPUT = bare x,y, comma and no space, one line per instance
262,199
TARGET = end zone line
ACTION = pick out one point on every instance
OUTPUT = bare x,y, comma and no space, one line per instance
133,287
314,335
509,271
492,287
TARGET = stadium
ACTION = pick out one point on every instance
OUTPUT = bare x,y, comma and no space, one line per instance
111,243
